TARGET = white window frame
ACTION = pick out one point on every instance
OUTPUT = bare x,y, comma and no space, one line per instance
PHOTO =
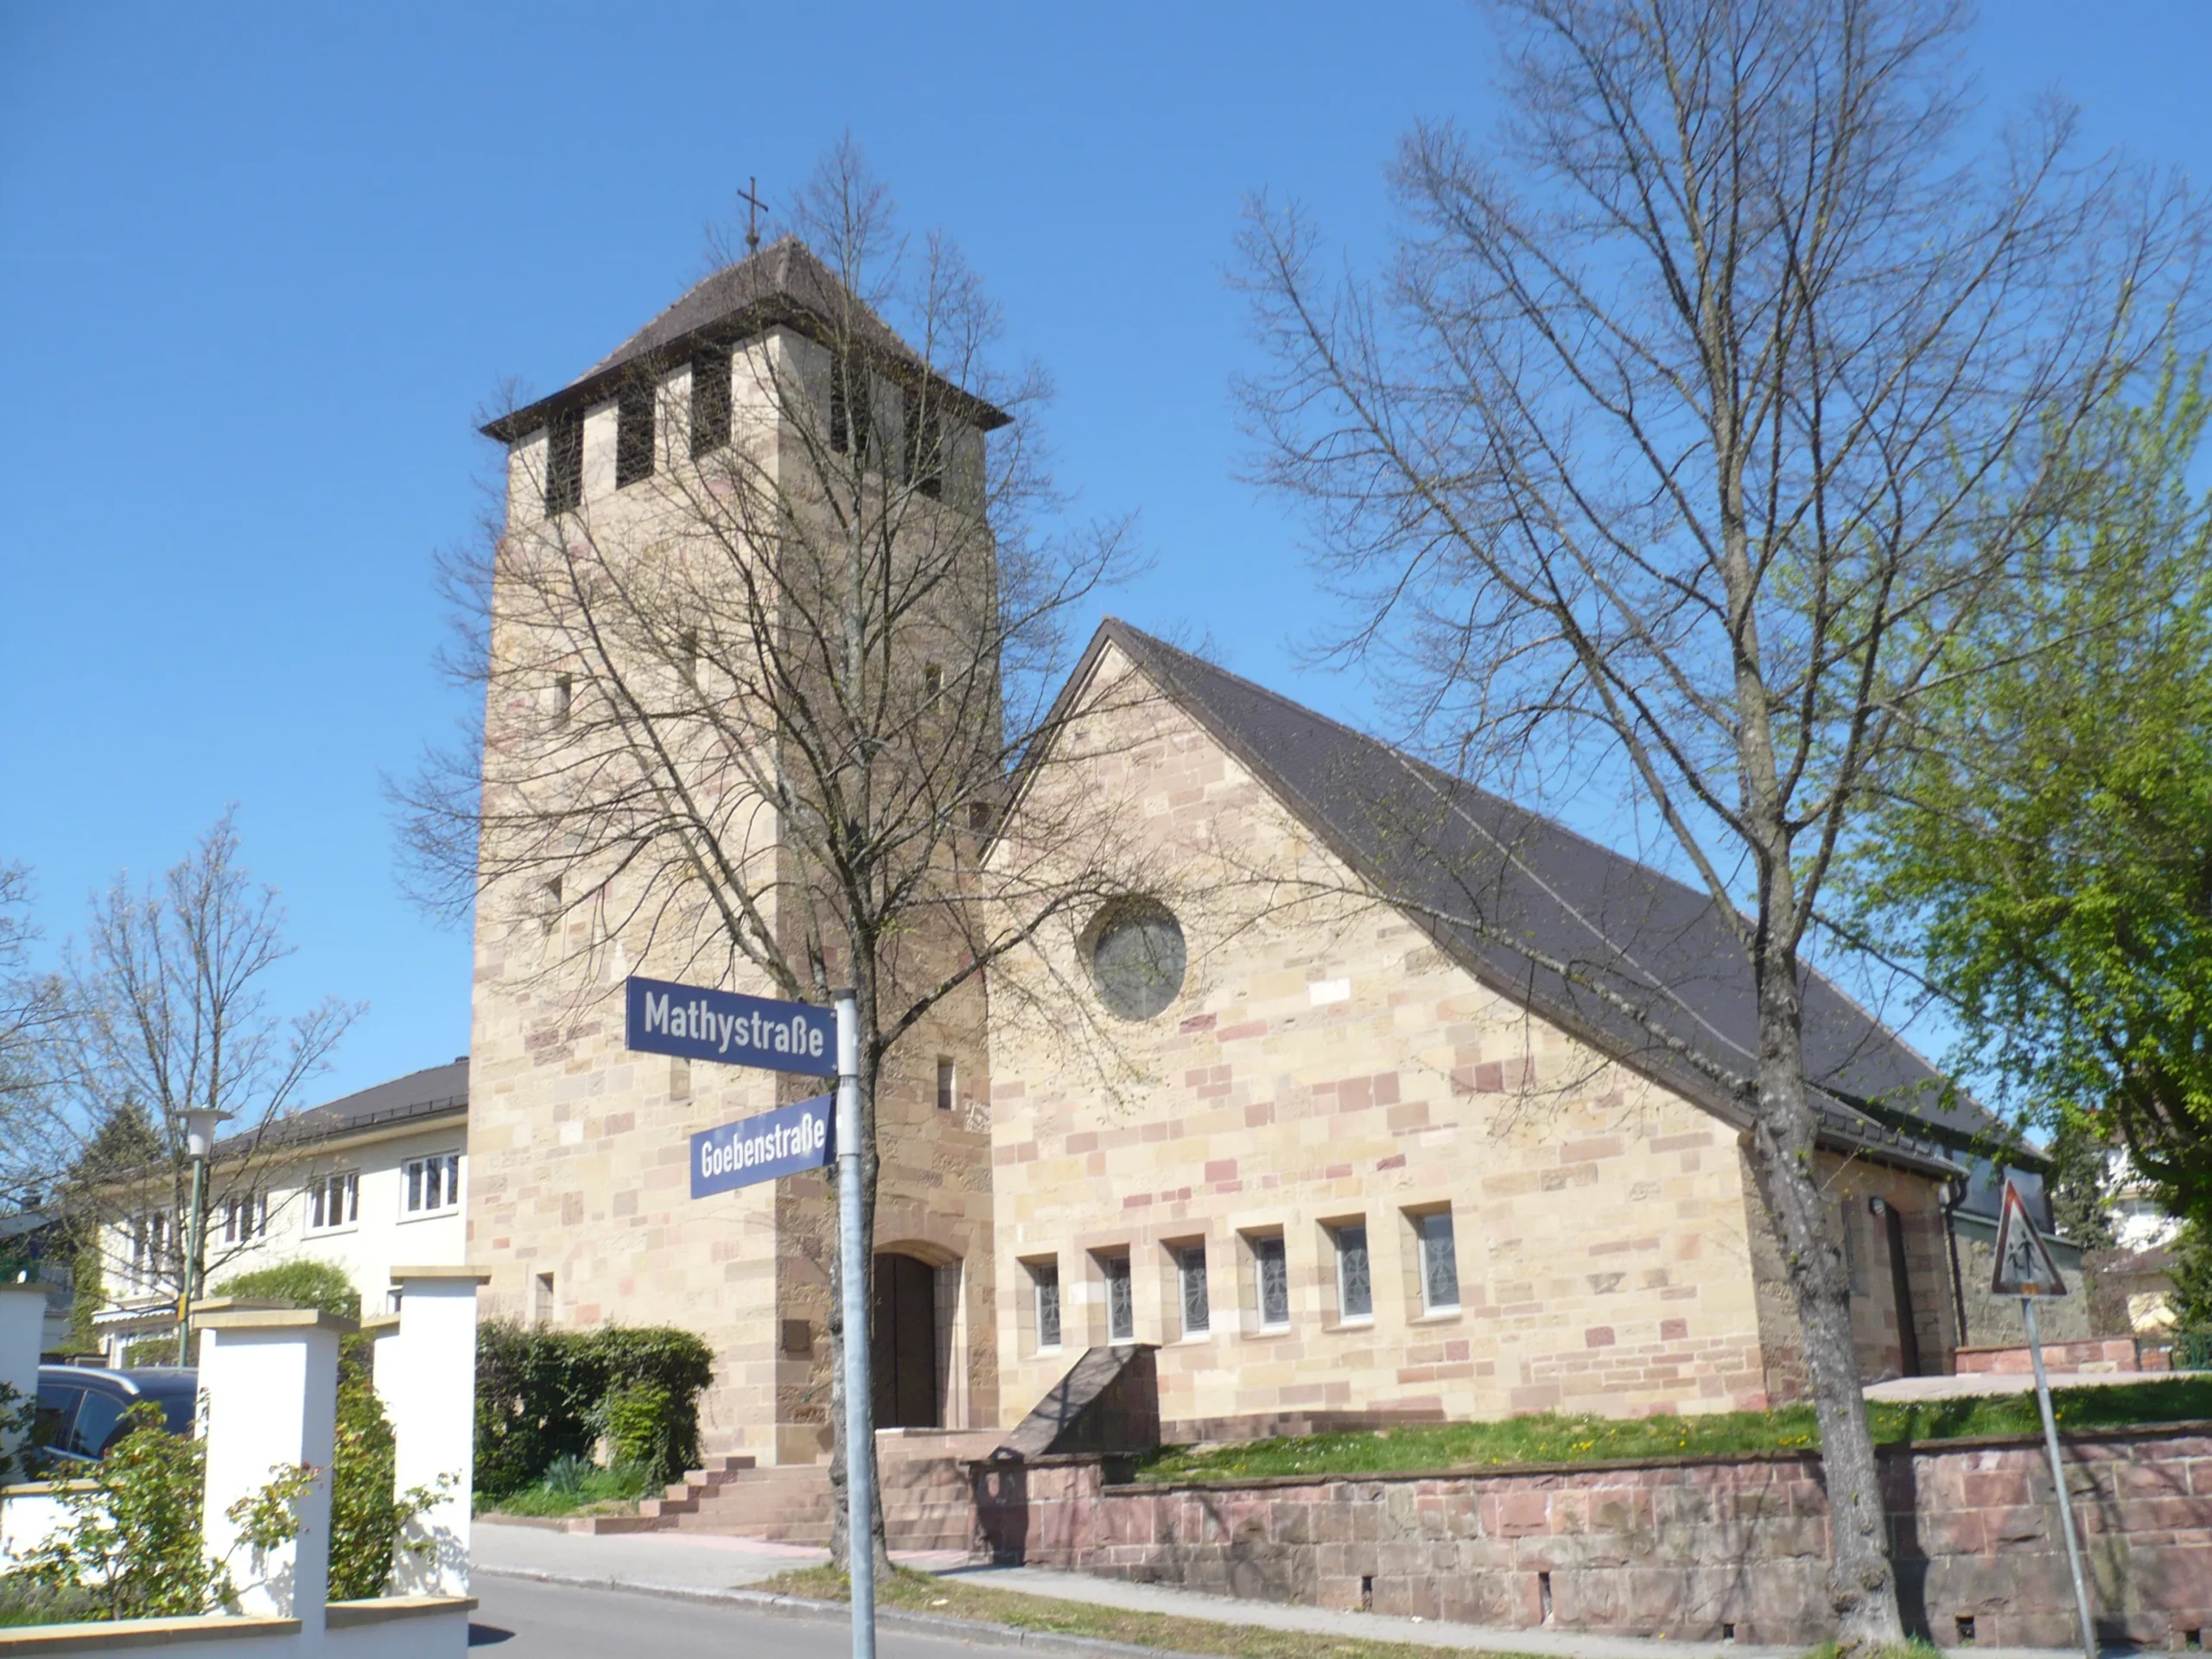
345,1181
1045,1277
411,1171
1112,1265
1427,1230
245,1218
1191,1262
1264,1245
1337,1239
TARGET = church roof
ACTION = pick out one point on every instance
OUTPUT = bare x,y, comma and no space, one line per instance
1600,944
783,283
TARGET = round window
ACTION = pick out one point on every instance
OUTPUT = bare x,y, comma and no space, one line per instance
1136,957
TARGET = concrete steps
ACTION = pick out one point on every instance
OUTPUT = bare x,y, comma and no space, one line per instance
927,1502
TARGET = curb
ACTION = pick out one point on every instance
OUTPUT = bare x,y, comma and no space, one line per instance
762,1601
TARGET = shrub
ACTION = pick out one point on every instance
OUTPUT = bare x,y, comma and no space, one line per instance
303,1284
545,1394
131,1548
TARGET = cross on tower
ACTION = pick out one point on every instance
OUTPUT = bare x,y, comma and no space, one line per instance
753,205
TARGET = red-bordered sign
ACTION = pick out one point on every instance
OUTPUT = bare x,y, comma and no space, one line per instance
2025,1267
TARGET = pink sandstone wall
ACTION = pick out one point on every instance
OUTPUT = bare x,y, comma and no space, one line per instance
1682,1549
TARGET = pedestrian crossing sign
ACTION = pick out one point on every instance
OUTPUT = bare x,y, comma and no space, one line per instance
2025,1267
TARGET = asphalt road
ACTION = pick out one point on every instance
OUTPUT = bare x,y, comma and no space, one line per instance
518,1619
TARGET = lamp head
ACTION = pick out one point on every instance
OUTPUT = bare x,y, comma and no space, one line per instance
199,1123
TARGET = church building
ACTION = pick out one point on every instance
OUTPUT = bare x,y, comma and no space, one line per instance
1410,1112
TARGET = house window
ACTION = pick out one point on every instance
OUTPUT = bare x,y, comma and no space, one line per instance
564,464
334,1201
564,697
1197,1312
1045,1279
932,679
433,1184
946,1077
1120,1299
1271,1268
710,402
634,437
1440,1263
1355,1288
245,1219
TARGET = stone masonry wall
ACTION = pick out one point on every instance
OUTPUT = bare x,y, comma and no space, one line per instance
1700,1550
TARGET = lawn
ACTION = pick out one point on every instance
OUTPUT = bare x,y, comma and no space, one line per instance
1550,1438
956,1598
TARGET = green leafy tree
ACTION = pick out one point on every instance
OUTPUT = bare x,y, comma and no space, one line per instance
2045,861
319,1285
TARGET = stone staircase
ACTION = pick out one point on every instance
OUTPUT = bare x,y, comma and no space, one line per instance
926,1501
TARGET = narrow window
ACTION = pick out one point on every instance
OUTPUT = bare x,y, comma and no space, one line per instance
945,1080
710,402
687,656
1120,1301
979,815
1355,1290
543,1298
1045,1277
549,903
1440,1263
1273,1270
924,445
932,679
1198,1311
230,1221
564,697
564,464
634,437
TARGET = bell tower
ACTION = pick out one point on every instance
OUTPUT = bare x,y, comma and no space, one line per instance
670,603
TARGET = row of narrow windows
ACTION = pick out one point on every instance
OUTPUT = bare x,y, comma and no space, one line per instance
921,454
1268,1282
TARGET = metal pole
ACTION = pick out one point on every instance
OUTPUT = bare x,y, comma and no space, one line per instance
860,1496
2058,1479
196,1233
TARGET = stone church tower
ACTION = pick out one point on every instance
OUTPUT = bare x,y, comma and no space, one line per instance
620,517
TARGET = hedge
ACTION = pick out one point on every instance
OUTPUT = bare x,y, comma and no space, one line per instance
544,1395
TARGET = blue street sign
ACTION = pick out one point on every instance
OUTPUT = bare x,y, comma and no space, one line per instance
698,1024
781,1142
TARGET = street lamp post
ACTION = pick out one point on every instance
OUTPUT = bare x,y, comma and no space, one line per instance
199,1123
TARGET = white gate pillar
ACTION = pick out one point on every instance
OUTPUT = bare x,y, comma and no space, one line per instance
269,1385
427,1378
23,1327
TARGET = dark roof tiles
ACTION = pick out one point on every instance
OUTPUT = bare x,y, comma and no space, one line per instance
1645,966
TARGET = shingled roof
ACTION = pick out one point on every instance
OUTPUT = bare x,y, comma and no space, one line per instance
783,283
434,1091
1598,943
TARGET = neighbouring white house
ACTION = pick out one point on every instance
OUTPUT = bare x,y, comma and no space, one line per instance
367,1182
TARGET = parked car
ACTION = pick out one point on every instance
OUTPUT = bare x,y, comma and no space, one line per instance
81,1409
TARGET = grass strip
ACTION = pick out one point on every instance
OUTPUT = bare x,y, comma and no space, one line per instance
922,1593
1553,1438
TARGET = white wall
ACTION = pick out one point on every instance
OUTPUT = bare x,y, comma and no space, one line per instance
366,1249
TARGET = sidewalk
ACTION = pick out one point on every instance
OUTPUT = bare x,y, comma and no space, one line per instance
699,1564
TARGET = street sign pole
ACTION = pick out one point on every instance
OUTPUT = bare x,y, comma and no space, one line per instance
2058,1479
860,1496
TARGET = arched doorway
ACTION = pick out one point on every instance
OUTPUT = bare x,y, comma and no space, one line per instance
903,1342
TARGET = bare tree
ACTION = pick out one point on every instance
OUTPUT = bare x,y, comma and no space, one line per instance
755,713
168,999
1696,412
32,1008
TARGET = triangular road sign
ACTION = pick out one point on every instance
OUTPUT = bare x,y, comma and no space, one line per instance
2025,1267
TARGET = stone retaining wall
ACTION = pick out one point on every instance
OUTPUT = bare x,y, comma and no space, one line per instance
1701,1548
2099,1354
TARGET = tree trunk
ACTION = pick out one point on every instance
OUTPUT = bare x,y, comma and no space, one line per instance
1862,1589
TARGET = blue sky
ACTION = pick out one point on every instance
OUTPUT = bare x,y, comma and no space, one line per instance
259,265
